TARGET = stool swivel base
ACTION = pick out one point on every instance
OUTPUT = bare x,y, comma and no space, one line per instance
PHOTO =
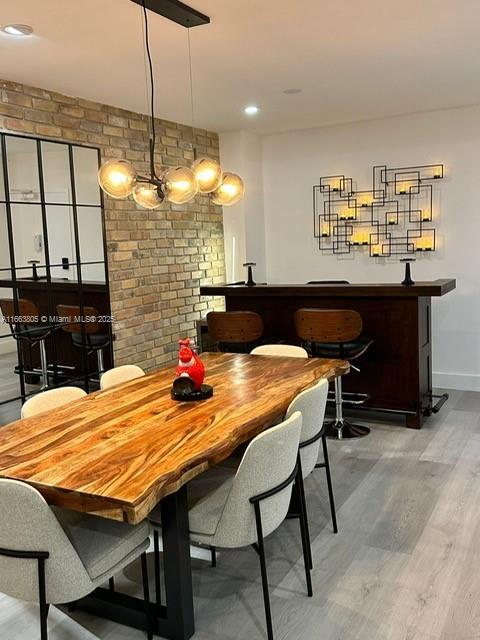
341,429
336,430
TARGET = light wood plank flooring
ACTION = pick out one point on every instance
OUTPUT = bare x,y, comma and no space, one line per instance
10,387
404,566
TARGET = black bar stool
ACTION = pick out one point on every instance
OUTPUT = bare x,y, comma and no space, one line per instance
92,338
336,333
235,331
24,324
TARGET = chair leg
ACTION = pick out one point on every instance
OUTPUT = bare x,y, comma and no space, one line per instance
303,509
42,599
111,584
146,596
304,533
213,552
329,483
44,364
156,555
263,568
100,361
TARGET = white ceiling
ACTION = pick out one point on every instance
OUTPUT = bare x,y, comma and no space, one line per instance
353,59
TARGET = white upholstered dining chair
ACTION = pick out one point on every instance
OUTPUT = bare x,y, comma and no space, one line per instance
54,556
52,399
232,509
117,375
311,404
287,350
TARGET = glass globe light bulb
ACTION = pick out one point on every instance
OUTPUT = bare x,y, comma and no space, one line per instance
230,191
147,196
181,185
117,178
208,173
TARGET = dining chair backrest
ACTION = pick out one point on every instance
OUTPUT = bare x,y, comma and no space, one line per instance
311,403
268,461
52,399
286,350
117,375
29,525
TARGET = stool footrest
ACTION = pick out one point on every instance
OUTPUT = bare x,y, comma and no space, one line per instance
441,401
349,398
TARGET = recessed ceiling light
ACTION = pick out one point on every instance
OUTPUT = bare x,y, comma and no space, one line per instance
17,29
291,92
251,110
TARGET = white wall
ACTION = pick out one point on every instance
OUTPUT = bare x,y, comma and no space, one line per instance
293,162
244,227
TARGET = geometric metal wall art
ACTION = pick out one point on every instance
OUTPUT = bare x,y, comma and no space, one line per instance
394,218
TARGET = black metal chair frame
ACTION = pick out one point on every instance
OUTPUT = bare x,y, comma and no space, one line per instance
297,479
324,465
295,507
41,557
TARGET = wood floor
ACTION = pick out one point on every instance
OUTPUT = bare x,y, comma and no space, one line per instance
10,387
404,566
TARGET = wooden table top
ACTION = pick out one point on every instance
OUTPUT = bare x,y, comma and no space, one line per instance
117,452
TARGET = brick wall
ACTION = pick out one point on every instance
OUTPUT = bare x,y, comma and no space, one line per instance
157,259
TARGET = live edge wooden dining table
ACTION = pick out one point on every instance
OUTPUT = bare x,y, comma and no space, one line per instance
117,453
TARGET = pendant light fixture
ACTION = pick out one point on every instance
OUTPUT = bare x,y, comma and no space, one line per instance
178,185
224,188
230,191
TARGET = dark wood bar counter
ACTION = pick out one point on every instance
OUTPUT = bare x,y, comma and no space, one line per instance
397,370
46,296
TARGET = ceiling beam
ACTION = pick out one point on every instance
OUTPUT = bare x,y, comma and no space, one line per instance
176,11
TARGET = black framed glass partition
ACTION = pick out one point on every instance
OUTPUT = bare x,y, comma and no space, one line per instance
55,324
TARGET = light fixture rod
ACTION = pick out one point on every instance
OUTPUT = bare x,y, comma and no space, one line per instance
176,11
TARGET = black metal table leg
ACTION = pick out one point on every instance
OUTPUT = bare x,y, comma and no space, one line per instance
175,621
177,565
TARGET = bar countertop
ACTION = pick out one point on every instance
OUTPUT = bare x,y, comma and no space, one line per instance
56,284
434,288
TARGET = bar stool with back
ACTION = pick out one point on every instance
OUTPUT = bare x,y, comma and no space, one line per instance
235,331
25,325
95,339
335,333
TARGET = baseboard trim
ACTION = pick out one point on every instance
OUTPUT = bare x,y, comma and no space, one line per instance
459,381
